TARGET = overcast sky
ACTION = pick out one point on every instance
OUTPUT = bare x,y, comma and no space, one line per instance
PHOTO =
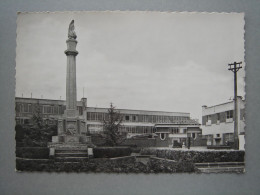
137,60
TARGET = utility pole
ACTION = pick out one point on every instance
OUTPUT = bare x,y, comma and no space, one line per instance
235,68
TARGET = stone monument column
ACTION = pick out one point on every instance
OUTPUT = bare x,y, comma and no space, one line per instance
71,125
71,85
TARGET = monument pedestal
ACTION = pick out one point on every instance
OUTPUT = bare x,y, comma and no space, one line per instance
70,136
71,128
83,139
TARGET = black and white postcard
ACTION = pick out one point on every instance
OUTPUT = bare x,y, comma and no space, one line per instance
130,92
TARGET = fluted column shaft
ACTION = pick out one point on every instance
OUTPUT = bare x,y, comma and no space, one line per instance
71,84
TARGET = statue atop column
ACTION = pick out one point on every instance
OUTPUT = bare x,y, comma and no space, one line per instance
71,32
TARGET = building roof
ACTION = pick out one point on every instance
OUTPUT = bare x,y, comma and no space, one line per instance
99,109
222,103
147,112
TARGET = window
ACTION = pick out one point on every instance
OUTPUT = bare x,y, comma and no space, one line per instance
193,135
229,114
45,109
218,135
127,118
134,130
29,108
175,130
26,121
21,108
56,110
134,118
25,108
218,116
52,110
229,137
60,109
184,130
209,118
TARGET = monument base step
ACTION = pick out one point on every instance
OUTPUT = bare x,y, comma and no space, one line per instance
71,154
71,150
70,159
70,146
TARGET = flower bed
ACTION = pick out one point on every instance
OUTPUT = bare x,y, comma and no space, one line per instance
159,165
196,156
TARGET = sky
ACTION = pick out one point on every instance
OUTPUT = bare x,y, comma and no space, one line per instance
159,61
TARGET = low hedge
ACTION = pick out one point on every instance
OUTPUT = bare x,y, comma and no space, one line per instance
196,156
111,152
93,165
34,165
32,152
129,165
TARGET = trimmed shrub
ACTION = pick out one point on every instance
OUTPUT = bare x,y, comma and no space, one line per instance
135,149
19,133
139,142
98,140
110,152
33,136
32,152
196,156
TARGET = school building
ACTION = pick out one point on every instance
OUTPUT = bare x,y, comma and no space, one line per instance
218,123
170,128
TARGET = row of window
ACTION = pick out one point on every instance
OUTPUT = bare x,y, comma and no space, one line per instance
24,121
97,116
226,136
153,118
172,130
24,108
229,114
95,128
135,129
45,109
51,109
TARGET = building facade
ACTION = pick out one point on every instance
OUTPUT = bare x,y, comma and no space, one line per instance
218,123
169,128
